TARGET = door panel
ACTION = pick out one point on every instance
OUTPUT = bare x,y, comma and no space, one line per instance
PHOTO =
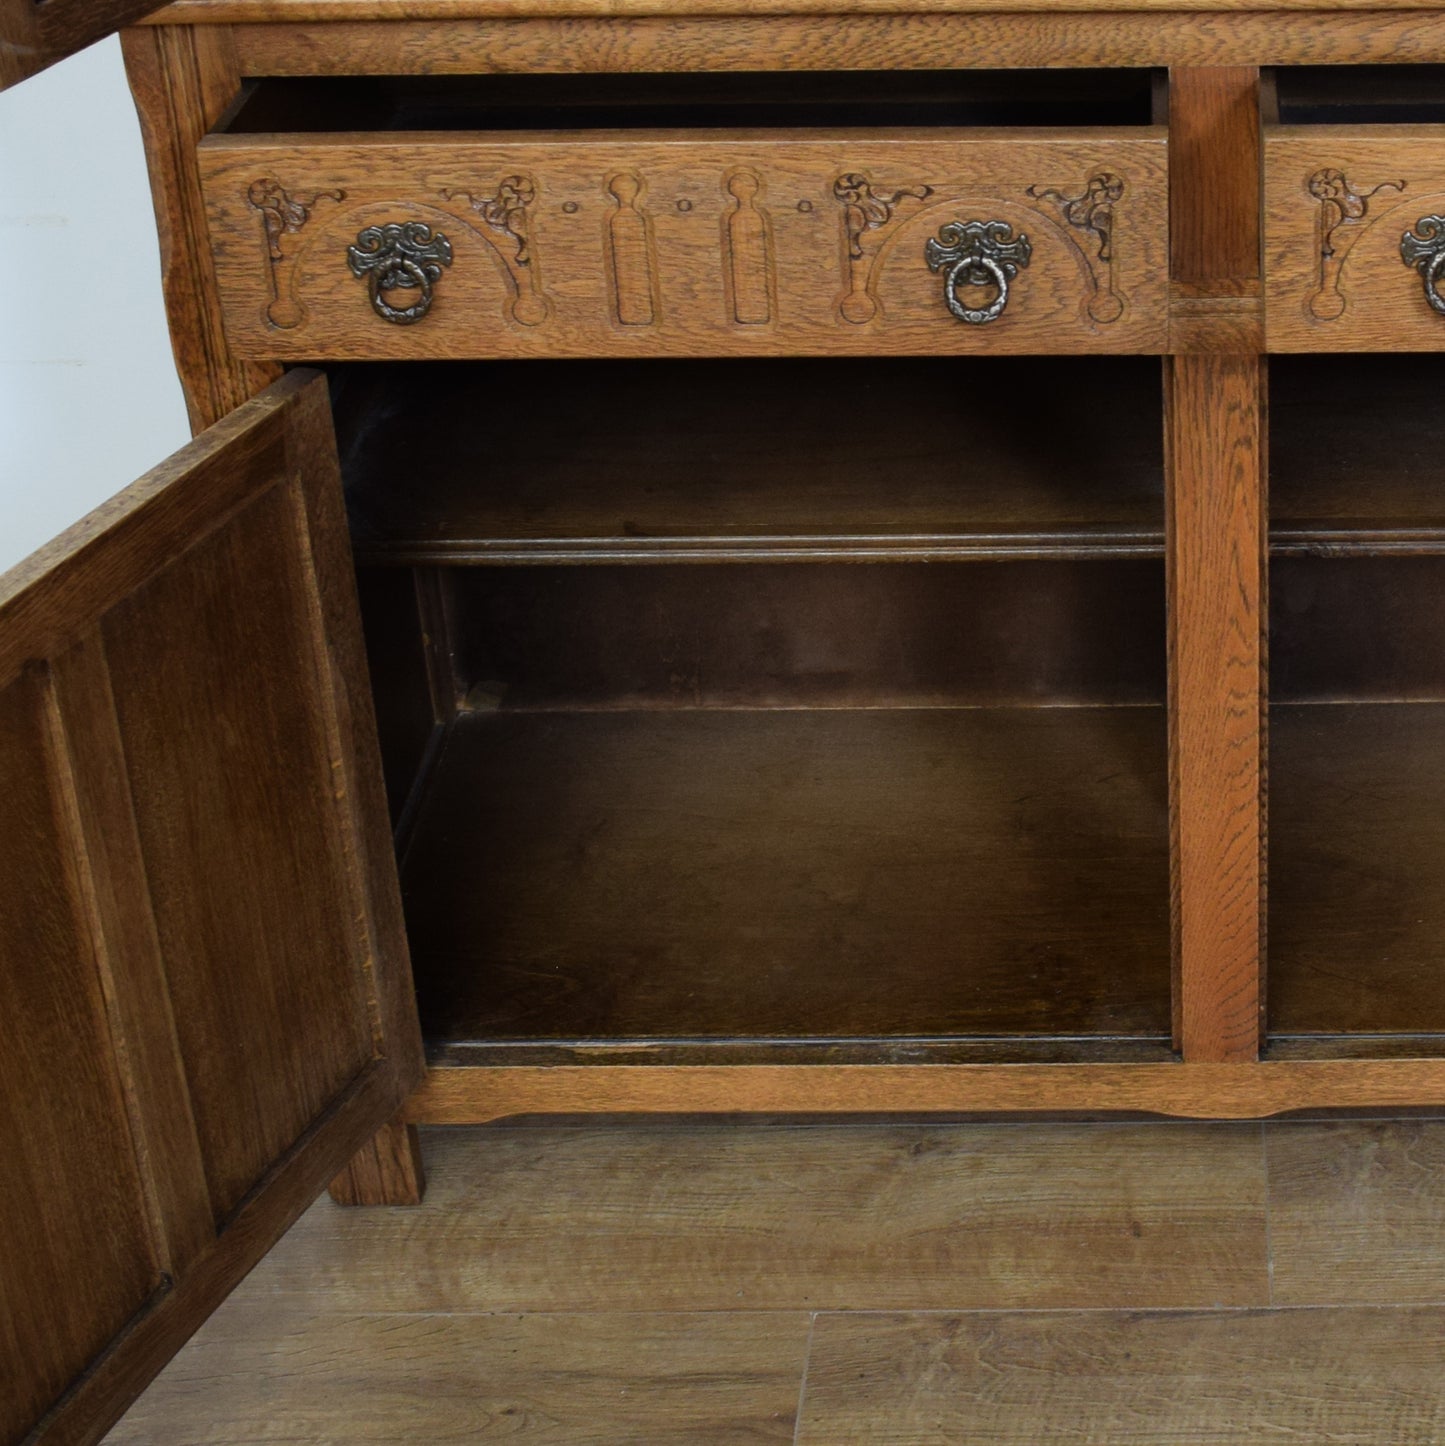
37,33
201,956
207,653
72,1208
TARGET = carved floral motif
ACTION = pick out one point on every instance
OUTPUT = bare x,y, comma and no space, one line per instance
1342,211
283,215
506,215
1092,211
866,211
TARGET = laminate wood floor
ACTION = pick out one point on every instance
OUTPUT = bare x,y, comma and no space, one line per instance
677,1282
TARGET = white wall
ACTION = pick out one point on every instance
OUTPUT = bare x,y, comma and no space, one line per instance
88,392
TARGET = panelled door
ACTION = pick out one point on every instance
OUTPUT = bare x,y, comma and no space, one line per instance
37,33
204,987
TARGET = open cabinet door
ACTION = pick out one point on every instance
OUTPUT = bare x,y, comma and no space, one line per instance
37,33
204,985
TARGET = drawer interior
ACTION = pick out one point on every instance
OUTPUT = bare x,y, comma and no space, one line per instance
1357,713
653,101
1357,94
875,769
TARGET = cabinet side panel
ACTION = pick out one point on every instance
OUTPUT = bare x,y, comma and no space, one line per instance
76,1259
183,78
232,777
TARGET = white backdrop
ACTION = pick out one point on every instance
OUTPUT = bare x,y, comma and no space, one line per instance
88,392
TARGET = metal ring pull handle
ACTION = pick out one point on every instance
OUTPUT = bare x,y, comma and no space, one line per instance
400,257
977,254
1424,249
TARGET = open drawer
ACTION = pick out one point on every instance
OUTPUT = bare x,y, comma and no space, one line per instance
1354,179
535,216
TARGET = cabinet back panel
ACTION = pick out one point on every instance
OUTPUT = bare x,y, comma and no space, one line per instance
75,1253
1367,628
811,635
633,459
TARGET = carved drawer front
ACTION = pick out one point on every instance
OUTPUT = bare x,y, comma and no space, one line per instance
1355,238
651,243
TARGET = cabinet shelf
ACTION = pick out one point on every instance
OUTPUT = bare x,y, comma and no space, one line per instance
907,459
865,881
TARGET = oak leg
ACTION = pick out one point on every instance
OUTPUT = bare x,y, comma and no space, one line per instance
387,1171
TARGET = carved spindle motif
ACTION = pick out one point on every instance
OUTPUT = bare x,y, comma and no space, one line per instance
1342,212
748,251
1092,211
283,215
866,213
506,217
631,253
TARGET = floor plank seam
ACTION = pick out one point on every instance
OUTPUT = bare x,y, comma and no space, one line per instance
1268,1222
803,1382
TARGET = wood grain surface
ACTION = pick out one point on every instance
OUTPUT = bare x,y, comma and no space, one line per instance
461,1096
33,36
618,246
1355,889
389,1171
1046,633
732,1217
1338,201
80,1258
240,11
235,602
1216,523
588,1380
678,1225
879,873
1357,1212
182,80
761,459
1211,1379
1214,157
748,42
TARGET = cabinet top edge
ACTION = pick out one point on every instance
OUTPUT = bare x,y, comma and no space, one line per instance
241,12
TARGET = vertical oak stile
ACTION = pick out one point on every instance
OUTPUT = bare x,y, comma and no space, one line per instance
183,78
90,766
389,1169
1216,563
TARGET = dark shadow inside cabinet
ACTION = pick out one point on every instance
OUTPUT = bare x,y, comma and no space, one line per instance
1357,706
638,100
772,710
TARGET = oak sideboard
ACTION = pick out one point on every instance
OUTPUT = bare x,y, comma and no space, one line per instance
736,559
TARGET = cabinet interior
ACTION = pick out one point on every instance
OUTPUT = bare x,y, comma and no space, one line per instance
812,707
742,99
1356,94
1357,718
816,708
